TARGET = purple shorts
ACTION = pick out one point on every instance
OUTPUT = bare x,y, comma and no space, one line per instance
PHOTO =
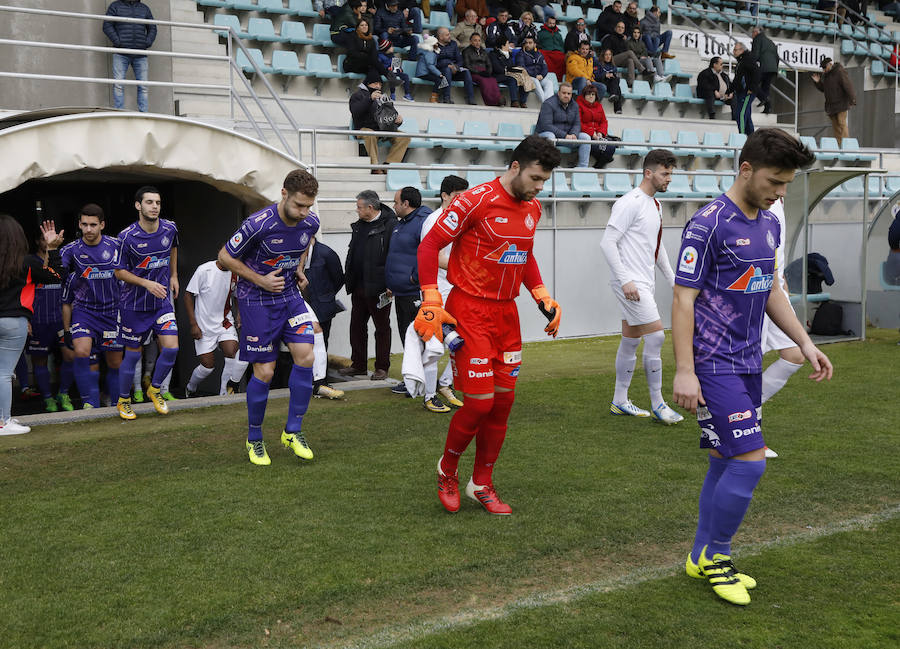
263,328
730,421
135,325
44,337
102,328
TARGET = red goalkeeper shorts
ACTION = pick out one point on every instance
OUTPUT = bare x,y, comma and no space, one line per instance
492,352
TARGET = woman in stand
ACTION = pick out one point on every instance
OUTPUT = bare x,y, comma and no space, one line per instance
593,122
608,74
362,55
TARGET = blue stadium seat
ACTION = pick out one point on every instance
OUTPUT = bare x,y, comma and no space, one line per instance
411,125
437,19
673,67
706,185
736,140
661,139
227,20
727,182
561,186
348,75
285,62
616,184
632,135
572,14
851,146
593,13
893,184
809,142
445,127
832,143
243,5
435,177
319,66
876,186
295,32
400,178
409,67
681,187
262,29
482,129
303,8
214,3
507,129
639,90
273,7
257,56
853,188
690,139
684,93
662,92
716,139
321,35
586,183
480,176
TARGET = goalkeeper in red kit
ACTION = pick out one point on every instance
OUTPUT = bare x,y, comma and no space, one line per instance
491,228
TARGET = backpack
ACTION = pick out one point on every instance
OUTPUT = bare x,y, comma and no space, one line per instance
828,320
386,115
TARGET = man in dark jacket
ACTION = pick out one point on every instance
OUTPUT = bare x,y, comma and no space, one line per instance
390,23
401,270
839,95
745,86
713,84
450,63
130,36
577,36
363,103
324,278
364,279
503,26
344,23
559,118
606,23
766,55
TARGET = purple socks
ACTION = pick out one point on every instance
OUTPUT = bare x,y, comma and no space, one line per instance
257,396
300,383
126,372
164,364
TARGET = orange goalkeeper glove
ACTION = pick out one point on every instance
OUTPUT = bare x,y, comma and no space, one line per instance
431,316
549,307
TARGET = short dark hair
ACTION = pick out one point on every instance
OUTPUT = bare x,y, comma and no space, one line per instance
412,196
370,198
777,149
92,209
535,148
355,4
659,158
452,184
654,9
500,41
824,62
146,189
714,60
300,180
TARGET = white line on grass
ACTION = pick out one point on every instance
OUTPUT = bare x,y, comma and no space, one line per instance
468,617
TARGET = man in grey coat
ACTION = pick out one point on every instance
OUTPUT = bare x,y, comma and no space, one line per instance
559,118
766,55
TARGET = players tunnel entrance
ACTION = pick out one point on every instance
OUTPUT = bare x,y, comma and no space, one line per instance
209,178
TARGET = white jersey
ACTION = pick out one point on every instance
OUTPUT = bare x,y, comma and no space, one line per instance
778,210
444,284
634,233
211,286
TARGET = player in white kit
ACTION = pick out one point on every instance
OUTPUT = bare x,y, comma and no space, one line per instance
774,339
632,245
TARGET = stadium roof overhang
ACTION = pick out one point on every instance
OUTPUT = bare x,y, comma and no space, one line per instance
138,143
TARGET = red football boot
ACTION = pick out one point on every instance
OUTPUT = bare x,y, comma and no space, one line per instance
488,498
448,490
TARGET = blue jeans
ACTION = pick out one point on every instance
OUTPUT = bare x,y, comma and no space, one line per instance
742,113
415,17
579,83
462,75
13,332
657,44
120,63
584,146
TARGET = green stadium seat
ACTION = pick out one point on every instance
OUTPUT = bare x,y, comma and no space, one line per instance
319,66
853,188
262,29
321,35
737,141
302,8
892,184
661,139
224,4
876,186
632,135
400,178
673,67
285,62
593,13
295,32
409,67
257,56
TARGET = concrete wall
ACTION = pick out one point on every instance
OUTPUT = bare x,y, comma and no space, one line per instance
31,94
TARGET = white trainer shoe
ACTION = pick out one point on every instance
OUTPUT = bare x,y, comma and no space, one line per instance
13,427
628,408
664,414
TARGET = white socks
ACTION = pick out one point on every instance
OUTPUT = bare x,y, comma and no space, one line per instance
626,357
320,357
653,366
447,375
775,376
197,377
431,378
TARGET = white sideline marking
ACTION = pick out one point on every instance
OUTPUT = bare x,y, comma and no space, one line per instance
469,617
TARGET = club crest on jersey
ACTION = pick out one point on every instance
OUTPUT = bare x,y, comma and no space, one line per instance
236,239
281,261
106,254
770,239
151,262
451,221
529,222
304,239
165,241
508,254
688,263
752,281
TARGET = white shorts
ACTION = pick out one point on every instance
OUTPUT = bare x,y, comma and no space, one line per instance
772,338
211,340
637,313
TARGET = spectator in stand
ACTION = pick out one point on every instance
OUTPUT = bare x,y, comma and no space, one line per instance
365,281
657,43
542,10
608,74
362,54
837,11
426,66
477,60
622,56
606,23
576,37
390,24
130,36
392,62
363,106
526,28
502,65
766,55
412,12
559,118
835,83
745,86
593,122
478,6
464,29
532,61
328,8
343,25
713,84
630,17
550,43
503,26
580,70
450,63
654,65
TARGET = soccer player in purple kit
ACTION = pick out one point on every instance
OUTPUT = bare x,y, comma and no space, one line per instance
265,254
148,266
723,288
91,304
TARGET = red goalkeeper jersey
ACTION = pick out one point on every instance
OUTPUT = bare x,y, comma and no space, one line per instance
492,235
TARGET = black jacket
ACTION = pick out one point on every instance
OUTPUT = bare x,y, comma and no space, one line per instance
707,84
746,75
326,277
362,108
574,38
17,297
374,256
132,36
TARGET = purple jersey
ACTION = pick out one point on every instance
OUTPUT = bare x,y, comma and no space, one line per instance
147,256
47,304
265,243
730,259
91,283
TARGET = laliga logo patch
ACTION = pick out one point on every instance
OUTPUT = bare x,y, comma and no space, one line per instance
298,320
529,222
165,318
742,242
752,281
688,263
236,239
770,239
709,209
512,357
451,221
739,416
